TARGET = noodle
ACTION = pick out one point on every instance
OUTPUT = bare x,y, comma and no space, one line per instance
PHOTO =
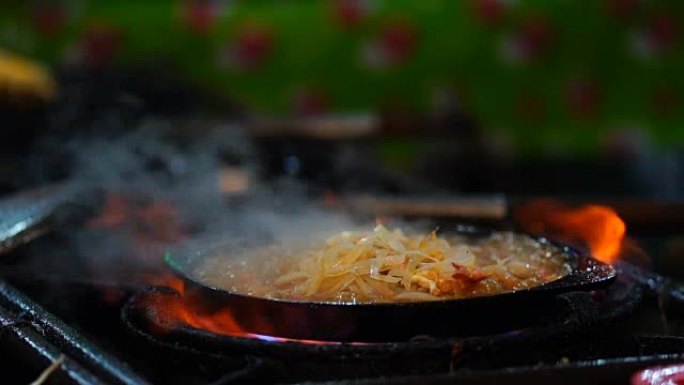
389,266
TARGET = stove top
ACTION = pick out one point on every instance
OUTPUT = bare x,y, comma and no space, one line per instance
111,328
108,334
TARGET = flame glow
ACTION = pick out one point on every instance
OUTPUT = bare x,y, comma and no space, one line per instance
597,227
183,310
153,225
148,222
186,311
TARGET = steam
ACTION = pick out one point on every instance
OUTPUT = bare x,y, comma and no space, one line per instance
157,191
149,165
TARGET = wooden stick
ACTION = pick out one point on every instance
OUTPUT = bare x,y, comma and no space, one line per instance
462,207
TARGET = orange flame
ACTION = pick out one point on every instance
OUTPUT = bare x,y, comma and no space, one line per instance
153,221
187,310
597,227
143,228
184,310
331,199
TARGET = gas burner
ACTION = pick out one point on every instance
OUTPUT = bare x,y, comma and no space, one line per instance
575,317
114,331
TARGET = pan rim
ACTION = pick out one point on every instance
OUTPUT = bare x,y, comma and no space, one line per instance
581,263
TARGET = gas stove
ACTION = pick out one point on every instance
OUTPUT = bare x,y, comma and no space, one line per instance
115,333
104,313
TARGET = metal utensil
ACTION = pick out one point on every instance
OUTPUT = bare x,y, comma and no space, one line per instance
27,214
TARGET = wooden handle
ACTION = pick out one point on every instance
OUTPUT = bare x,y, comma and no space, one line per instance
492,208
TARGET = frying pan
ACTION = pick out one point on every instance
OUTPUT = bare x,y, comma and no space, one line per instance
391,321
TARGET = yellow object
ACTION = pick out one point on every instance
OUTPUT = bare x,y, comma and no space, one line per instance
23,79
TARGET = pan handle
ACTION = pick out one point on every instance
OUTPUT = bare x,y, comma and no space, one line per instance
27,215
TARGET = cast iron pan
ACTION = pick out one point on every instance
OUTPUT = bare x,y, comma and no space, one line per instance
392,321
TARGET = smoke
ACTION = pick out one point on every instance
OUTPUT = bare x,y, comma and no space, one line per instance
148,163
159,189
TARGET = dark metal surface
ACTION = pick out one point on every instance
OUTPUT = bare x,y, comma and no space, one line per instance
670,294
25,341
25,215
603,372
575,331
389,321
45,332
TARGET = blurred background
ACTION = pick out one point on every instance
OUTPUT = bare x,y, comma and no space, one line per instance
420,97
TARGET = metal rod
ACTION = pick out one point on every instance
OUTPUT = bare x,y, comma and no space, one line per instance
75,345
